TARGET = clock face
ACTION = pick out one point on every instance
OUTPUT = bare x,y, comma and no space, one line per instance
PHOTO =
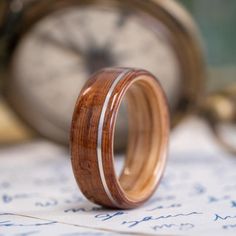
55,58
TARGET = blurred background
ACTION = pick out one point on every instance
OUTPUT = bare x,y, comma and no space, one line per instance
46,45
216,21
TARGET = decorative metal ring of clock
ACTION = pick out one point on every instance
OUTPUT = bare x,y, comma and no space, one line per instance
53,46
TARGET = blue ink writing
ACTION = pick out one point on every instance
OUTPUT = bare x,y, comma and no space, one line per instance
233,203
181,227
175,205
151,218
105,217
229,226
218,217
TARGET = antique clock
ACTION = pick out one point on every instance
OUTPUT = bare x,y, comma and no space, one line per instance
50,47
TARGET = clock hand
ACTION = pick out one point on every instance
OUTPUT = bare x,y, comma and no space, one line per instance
119,25
70,36
47,38
124,15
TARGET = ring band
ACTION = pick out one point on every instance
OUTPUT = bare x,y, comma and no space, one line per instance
92,137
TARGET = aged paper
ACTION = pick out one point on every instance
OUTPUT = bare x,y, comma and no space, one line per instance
39,196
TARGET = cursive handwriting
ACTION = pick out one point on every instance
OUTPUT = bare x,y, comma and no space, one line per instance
229,226
233,203
174,205
152,218
6,198
47,203
82,209
28,233
181,227
108,216
8,223
212,199
198,189
218,217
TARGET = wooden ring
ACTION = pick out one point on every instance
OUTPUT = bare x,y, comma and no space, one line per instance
92,137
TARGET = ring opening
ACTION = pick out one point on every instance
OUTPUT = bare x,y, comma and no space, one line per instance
145,157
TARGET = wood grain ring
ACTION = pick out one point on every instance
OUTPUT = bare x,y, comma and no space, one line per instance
92,137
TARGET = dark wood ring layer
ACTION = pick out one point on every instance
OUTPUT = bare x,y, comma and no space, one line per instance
92,137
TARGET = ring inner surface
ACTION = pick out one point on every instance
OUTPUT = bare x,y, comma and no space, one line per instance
143,164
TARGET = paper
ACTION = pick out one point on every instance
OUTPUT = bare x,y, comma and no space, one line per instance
39,196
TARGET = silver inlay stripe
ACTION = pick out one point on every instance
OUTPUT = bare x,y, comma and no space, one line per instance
99,140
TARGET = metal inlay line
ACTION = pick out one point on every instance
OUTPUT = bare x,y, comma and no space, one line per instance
99,140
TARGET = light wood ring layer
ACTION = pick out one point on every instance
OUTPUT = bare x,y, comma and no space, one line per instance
92,137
